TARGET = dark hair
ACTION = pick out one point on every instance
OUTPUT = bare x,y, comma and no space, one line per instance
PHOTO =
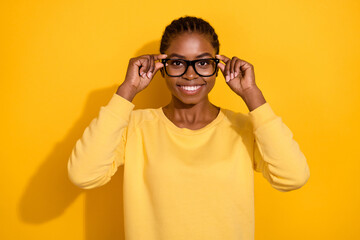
188,24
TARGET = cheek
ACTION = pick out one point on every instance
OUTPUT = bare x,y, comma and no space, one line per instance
210,84
169,83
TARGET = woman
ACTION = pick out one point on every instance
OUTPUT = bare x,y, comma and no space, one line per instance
188,166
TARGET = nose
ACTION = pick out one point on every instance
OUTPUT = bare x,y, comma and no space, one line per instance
190,73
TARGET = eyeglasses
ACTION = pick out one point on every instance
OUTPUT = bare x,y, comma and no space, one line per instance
178,67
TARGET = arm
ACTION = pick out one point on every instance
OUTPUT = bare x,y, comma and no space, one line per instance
98,153
276,154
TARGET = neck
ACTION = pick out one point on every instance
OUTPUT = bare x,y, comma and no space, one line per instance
203,111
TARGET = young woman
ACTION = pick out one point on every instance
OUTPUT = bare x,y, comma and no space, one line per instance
188,166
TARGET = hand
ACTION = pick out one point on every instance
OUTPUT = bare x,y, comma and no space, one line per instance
140,72
240,77
238,74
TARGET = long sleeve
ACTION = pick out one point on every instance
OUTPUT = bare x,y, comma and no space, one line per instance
276,154
98,153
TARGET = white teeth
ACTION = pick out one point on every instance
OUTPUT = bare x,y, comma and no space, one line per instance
190,88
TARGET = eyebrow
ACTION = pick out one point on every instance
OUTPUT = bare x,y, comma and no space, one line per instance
181,56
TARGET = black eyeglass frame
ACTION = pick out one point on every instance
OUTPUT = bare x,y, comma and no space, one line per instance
191,63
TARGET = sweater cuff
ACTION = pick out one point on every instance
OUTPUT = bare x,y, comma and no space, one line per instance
261,115
120,106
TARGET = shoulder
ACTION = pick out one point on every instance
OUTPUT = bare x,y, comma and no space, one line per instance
139,116
237,120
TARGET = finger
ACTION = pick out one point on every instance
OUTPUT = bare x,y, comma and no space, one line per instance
232,67
151,66
227,71
226,66
223,58
148,60
144,65
140,64
237,68
159,56
244,66
222,67
154,67
158,65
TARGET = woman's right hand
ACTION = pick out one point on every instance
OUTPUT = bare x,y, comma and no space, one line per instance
139,74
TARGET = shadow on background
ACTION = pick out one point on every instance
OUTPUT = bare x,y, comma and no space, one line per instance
104,205
49,192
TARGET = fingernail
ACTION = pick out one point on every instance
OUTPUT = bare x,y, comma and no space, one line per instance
143,74
149,74
227,78
236,73
231,75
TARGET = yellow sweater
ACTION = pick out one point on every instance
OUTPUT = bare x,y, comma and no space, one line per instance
187,184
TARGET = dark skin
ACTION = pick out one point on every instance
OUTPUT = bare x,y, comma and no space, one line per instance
192,111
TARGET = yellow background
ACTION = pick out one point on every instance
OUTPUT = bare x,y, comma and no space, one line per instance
62,60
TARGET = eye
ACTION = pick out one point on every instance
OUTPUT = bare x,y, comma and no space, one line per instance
203,62
176,62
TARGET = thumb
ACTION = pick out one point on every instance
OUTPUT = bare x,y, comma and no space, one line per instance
222,67
158,65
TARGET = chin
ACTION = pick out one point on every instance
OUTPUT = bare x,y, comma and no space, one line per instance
190,100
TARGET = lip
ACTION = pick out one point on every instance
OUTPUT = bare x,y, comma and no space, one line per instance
199,84
187,92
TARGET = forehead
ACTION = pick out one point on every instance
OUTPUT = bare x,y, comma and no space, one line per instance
190,45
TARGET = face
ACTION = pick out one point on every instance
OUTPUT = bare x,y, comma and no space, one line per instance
190,88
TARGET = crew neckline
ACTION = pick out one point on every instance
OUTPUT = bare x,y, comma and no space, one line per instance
188,131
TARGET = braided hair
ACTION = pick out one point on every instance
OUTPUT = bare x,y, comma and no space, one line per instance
188,25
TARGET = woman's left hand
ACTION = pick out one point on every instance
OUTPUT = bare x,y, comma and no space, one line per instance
238,74
240,77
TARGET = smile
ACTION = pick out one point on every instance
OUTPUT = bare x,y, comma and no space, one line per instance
190,90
